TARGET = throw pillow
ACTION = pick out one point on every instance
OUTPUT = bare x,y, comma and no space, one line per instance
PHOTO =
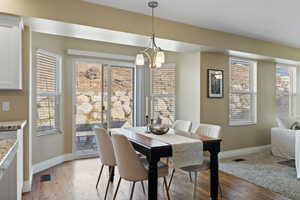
295,126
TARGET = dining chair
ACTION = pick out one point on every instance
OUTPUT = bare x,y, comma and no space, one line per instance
131,167
182,125
106,153
209,130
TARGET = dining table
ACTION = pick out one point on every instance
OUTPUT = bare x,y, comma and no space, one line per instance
155,149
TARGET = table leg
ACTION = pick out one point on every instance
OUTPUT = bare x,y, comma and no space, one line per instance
214,175
112,171
152,179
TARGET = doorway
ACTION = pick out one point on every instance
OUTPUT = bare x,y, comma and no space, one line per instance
103,97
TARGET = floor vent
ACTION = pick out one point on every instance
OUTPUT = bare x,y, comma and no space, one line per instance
45,178
239,160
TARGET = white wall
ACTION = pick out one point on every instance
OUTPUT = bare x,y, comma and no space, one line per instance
188,87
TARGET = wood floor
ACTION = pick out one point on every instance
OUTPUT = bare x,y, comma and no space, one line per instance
76,180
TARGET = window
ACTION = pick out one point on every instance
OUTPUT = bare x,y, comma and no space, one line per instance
163,94
48,87
286,90
242,96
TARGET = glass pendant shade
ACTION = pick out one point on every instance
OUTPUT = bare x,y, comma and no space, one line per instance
140,60
160,57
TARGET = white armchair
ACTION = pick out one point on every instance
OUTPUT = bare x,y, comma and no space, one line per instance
283,139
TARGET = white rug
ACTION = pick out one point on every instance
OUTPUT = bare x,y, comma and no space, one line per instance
264,170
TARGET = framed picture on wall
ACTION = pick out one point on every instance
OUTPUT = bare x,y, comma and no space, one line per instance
215,86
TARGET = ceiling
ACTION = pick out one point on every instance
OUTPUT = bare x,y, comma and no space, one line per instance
270,20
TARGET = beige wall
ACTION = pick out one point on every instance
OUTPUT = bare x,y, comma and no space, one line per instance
187,87
216,111
19,102
46,147
79,12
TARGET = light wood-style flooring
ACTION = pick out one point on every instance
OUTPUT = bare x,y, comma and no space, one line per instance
76,180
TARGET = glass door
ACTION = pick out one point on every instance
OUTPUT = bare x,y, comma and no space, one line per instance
122,97
89,105
104,97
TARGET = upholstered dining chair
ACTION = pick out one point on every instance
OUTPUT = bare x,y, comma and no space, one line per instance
131,167
106,153
182,125
209,130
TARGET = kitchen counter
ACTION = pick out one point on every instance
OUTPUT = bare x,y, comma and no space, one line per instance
11,159
8,150
12,125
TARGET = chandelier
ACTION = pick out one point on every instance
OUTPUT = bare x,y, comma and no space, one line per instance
154,54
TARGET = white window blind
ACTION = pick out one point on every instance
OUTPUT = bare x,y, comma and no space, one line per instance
286,90
48,66
163,82
242,97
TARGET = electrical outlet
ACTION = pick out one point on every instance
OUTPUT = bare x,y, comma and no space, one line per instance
5,106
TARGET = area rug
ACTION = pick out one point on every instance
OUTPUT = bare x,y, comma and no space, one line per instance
263,169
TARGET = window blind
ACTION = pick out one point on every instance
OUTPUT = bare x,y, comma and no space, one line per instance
46,72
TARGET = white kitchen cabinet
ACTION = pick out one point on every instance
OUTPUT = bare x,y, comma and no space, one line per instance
8,183
10,52
20,163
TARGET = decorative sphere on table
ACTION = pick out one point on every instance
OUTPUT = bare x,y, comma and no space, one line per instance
159,129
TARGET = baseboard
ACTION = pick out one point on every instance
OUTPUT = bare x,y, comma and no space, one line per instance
27,185
244,151
51,162
69,157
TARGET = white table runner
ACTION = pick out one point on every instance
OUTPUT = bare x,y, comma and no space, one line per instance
185,151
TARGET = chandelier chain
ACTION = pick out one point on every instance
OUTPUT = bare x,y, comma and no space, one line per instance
152,21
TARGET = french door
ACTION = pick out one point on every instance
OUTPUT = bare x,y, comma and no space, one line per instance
103,97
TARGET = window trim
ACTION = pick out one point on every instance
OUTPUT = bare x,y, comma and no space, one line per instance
58,95
252,92
153,95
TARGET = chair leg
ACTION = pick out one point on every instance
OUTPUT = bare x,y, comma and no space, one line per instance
115,195
143,187
132,190
108,183
191,179
99,176
195,185
171,178
167,190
